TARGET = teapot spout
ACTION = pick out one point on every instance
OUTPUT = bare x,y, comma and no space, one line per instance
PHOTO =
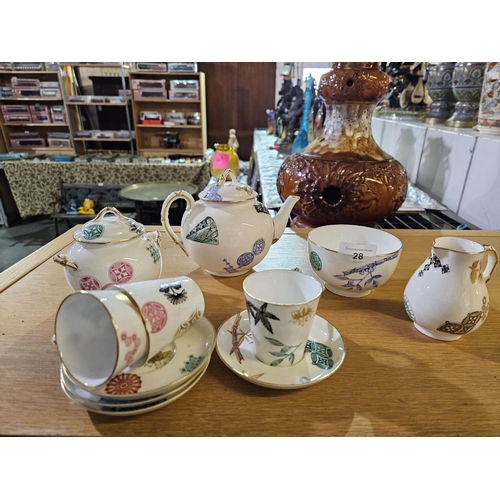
281,218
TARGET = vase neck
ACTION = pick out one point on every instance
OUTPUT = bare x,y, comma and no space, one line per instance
348,132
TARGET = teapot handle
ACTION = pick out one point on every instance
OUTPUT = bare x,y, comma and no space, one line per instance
492,262
164,213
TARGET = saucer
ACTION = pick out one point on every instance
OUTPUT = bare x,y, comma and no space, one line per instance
325,353
109,402
162,373
139,408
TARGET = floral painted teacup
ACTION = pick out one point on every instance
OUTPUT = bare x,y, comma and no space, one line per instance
169,307
281,307
99,334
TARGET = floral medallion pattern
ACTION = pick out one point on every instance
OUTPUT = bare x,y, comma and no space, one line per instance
246,258
89,283
93,231
155,315
315,261
120,272
125,383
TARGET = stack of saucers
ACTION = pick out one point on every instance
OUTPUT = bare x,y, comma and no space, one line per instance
162,380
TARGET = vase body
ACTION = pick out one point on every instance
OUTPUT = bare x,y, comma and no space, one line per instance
440,87
343,177
467,85
489,106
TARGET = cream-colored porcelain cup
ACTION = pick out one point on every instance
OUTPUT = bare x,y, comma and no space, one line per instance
281,306
99,334
169,307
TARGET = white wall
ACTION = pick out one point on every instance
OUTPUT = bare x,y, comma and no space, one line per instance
459,168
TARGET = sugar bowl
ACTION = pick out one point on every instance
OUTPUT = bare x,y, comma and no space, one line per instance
111,249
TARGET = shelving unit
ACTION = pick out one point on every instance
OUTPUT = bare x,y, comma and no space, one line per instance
192,138
43,129
75,109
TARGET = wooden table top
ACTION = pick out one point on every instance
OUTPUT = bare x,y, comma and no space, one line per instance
394,381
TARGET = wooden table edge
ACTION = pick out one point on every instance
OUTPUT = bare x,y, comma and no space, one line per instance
38,257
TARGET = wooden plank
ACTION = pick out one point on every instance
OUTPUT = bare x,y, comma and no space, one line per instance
30,262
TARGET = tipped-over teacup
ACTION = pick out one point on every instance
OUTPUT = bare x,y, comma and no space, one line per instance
352,260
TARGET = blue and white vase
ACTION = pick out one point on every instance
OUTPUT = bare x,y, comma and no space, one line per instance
439,85
467,85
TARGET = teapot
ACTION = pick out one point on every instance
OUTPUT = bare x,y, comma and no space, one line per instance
111,249
447,297
227,231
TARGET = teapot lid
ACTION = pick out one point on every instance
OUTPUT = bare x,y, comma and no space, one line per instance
232,191
109,226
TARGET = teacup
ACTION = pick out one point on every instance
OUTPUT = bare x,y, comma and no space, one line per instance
99,334
353,260
169,307
281,307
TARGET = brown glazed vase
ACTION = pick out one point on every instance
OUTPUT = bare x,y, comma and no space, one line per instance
343,177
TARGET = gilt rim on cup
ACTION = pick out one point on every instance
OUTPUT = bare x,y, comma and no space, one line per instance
365,227
287,271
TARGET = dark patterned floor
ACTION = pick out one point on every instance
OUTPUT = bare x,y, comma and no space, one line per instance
24,237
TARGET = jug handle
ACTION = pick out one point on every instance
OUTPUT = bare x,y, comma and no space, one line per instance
164,213
492,262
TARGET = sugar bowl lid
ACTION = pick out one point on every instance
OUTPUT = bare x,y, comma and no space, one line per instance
232,191
108,226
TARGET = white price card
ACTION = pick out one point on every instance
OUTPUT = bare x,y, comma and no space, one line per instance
358,251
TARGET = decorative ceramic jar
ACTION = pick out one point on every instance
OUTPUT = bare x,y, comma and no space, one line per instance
489,106
447,296
227,231
439,86
467,85
111,249
343,177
